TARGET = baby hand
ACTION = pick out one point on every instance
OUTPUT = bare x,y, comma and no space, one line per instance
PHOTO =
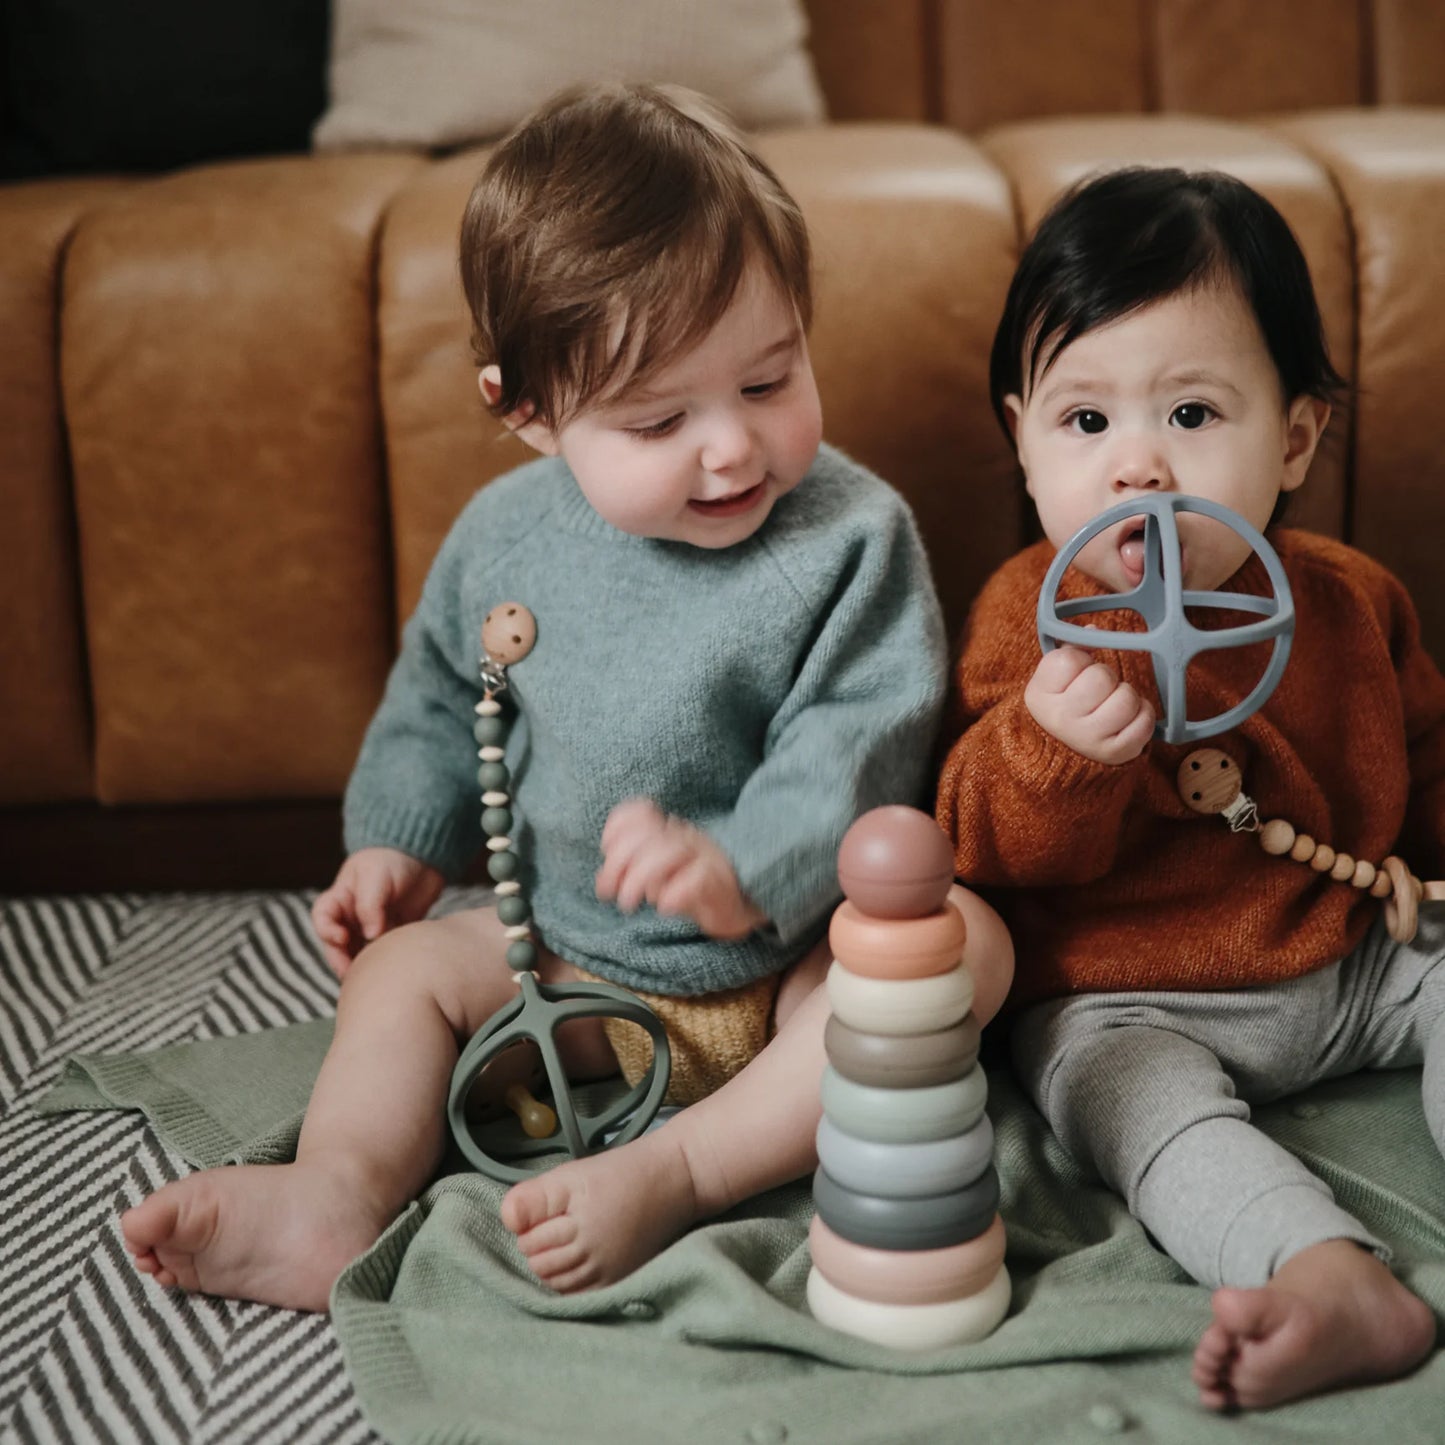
1084,704
375,890
649,857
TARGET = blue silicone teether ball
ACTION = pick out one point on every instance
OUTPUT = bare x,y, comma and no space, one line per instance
1171,639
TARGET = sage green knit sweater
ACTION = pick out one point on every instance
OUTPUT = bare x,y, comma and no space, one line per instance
768,692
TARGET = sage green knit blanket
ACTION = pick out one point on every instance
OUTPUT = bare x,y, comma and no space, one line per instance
448,1339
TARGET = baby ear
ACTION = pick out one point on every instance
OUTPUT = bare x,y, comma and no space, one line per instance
1304,426
538,435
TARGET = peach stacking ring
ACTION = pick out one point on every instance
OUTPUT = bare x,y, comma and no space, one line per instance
897,948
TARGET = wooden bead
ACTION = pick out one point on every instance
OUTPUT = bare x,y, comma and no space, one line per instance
1364,874
1402,911
1276,837
1344,868
1381,887
1208,780
1324,858
509,633
1304,848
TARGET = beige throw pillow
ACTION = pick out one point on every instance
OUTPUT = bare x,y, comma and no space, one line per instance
445,72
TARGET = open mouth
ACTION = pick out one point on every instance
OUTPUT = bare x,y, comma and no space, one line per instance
1131,550
731,506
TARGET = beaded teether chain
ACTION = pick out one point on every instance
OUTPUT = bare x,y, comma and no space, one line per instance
509,633
1210,781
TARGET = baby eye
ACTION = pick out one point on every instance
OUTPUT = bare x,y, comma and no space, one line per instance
1192,415
1091,423
656,429
766,388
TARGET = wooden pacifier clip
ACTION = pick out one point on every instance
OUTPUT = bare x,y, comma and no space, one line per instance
1210,781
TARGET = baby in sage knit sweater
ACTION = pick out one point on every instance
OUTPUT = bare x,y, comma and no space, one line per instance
738,650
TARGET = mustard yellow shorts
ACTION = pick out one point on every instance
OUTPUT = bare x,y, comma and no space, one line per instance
712,1035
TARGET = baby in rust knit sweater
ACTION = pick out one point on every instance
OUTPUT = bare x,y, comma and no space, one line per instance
1162,335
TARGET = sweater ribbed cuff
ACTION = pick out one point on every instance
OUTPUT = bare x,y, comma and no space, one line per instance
447,844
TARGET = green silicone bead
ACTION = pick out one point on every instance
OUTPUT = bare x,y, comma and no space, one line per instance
502,867
493,777
522,954
496,822
490,730
514,910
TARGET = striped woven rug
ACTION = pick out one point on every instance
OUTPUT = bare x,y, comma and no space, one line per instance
89,1349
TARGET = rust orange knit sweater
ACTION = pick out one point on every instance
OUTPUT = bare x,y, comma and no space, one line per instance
1107,880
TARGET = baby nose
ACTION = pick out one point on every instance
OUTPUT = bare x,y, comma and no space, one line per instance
728,445
1141,468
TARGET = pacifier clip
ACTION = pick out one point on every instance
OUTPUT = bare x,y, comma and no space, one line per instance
1210,781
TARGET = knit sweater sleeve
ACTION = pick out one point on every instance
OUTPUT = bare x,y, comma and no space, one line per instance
1023,808
858,727
414,786
1422,700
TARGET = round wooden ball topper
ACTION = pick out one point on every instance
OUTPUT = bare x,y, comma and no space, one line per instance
509,633
1210,781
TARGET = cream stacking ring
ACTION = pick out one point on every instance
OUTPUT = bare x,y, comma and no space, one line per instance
911,1327
908,1276
899,1006
897,948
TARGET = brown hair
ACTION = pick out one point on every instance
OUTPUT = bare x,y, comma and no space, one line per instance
607,235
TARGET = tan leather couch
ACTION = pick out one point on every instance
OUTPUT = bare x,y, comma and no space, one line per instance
237,414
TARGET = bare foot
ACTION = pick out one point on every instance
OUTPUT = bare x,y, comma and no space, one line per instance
594,1220
277,1233
1332,1315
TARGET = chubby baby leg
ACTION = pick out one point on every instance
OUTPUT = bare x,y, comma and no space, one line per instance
592,1221
374,1130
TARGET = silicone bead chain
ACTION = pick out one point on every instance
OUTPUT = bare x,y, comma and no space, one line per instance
508,634
1210,781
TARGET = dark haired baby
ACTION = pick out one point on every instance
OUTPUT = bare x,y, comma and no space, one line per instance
1162,336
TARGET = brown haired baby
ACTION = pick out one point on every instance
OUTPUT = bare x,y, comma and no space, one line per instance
738,650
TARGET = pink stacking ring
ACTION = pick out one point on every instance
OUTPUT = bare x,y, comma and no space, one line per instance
897,947
908,1276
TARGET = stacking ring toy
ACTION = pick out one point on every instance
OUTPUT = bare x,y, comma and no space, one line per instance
1171,639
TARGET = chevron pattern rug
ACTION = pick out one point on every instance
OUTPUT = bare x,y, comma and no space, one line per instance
89,1349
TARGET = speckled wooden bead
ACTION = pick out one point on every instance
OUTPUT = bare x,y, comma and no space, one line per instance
1277,837
1324,858
509,633
1344,868
1304,848
1208,780
897,948
908,1276
1364,874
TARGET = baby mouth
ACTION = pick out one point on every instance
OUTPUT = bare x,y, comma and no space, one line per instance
731,506
1131,552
